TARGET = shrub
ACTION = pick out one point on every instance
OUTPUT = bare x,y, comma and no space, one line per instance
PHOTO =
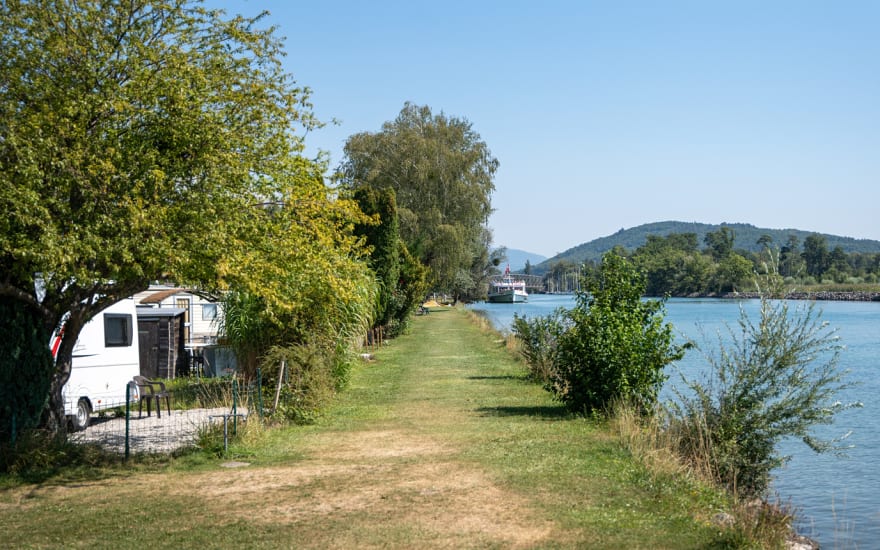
311,378
617,345
538,339
770,378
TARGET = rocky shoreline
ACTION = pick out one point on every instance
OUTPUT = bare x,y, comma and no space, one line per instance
857,296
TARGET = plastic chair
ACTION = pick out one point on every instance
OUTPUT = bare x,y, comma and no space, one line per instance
150,390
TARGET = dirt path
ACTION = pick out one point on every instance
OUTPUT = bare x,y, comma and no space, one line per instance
391,473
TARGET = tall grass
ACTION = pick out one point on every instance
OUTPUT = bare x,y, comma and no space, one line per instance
746,523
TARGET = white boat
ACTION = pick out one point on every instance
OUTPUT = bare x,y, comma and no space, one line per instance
507,289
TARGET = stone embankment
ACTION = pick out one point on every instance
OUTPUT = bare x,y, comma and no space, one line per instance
857,296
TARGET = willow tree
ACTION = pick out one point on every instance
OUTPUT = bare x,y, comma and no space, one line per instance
141,139
442,174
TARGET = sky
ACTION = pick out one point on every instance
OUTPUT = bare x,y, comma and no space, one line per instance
608,115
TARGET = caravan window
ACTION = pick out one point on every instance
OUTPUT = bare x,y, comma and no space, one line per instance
209,312
117,330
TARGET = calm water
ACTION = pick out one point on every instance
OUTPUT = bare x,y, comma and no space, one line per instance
837,499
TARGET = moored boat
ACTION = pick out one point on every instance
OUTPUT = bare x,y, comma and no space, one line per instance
507,289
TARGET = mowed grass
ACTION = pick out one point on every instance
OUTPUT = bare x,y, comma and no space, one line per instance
439,442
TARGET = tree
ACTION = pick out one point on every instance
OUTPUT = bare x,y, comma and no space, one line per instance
441,172
789,257
401,284
720,242
672,265
149,140
618,344
838,260
382,235
731,272
816,255
764,241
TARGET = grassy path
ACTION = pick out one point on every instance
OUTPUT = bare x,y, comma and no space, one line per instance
438,443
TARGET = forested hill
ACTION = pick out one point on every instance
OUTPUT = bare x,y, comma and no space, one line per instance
746,238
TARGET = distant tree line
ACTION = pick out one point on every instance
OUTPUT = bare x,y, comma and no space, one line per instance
679,265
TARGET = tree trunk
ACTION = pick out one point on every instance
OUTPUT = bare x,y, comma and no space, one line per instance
56,420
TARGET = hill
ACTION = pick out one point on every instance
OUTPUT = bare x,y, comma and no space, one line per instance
517,259
746,238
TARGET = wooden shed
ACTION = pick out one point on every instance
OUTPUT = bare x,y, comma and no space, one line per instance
161,337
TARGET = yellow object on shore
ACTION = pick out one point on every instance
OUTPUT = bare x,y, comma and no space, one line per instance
431,303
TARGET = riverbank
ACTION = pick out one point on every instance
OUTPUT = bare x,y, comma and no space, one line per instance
839,296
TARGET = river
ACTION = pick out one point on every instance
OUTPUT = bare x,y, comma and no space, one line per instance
836,499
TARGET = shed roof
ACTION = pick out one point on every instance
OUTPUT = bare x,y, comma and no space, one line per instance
160,295
152,312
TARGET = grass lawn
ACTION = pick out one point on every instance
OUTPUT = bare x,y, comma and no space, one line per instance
438,442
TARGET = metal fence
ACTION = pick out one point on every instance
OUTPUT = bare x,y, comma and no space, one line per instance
129,428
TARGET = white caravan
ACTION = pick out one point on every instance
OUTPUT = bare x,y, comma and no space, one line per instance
105,359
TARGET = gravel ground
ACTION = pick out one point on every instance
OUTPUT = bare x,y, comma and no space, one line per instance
152,434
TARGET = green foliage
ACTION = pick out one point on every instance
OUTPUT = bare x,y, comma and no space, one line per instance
747,238
720,243
26,368
441,172
731,273
38,455
617,346
382,236
673,265
411,289
771,378
816,256
244,328
538,341
310,379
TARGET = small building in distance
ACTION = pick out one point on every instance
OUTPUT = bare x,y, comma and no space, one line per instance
163,352
178,331
201,316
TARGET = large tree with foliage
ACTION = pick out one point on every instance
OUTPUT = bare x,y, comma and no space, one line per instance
148,139
442,175
673,265
815,255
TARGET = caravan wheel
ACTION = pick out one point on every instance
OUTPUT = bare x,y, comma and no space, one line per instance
83,415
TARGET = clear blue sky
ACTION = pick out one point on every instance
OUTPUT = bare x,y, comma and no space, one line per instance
608,115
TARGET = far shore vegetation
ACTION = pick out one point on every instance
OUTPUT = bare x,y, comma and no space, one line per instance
678,264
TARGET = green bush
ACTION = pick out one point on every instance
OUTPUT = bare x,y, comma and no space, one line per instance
617,345
311,378
538,339
771,378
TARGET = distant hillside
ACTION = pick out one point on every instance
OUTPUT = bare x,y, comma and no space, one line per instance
746,238
517,259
